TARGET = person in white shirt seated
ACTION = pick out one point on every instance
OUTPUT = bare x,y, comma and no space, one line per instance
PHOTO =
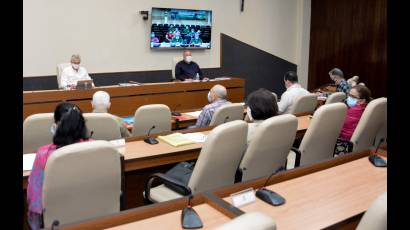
293,91
261,106
101,103
74,73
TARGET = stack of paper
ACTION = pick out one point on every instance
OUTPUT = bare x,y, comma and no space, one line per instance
176,139
194,114
197,137
28,161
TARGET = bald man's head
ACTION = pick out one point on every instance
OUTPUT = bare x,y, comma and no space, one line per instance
218,92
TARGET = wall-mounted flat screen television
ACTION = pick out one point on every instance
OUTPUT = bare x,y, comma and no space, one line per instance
180,28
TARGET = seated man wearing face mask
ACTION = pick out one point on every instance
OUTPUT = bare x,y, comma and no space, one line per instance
216,98
74,73
186,70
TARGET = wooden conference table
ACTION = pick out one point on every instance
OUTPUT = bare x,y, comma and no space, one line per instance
126,99
142,160
140,155
331,194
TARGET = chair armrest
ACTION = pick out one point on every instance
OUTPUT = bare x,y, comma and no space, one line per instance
298,156
163,177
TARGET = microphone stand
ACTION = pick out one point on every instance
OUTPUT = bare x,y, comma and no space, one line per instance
189,218
150,140
375,159
269,196
173,113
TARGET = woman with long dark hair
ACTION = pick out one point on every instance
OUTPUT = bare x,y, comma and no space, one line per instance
68,128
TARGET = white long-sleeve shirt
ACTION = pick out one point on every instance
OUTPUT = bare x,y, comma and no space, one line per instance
69,76
288,97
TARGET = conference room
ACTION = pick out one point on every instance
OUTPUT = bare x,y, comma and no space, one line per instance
232,114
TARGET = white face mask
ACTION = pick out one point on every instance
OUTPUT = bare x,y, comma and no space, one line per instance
53,129
75,66
188,59
209,97
249,113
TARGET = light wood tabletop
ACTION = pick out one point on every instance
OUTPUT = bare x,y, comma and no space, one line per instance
326,197
210,218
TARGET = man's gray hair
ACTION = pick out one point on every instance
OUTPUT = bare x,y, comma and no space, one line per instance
101,100
220,91
75,57
336,72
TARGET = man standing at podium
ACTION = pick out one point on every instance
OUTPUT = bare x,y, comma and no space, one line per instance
74,73
186,70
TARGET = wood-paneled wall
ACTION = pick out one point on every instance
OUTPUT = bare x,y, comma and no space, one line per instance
350,35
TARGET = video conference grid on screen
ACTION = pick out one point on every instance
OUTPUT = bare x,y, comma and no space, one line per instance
180,28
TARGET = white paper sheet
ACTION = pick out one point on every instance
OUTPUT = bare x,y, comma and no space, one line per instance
28,161
118,142
197,137
194,114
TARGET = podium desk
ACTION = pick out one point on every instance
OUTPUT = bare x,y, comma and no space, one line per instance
126,99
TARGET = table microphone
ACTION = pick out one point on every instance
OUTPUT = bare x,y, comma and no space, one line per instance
176,113
150,140
375,159
55,224
189,218
269,196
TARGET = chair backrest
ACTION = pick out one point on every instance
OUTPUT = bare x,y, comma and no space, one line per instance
147,116
336,97
304,104
375,217
369,125
270,146
82,181
175,61
251,220
36,131
227,113
60,68
103,125
320,138
382,134
219,157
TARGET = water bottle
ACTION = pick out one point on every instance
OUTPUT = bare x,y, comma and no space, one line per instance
197,77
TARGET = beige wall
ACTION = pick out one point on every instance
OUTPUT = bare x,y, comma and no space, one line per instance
111,36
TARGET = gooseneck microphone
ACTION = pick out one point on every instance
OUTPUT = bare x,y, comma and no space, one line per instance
375,159
55,224
189,218
174,113
269,196
150,140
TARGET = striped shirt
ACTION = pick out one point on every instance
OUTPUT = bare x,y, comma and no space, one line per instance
208,111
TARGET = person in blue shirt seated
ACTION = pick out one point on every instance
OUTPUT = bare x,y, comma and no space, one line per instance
186,70
216,98
337,76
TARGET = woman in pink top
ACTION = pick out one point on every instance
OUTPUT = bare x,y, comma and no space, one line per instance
69,128
357,100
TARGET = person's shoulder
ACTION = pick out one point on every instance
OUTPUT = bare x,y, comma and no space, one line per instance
67,68
45,149
181,62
